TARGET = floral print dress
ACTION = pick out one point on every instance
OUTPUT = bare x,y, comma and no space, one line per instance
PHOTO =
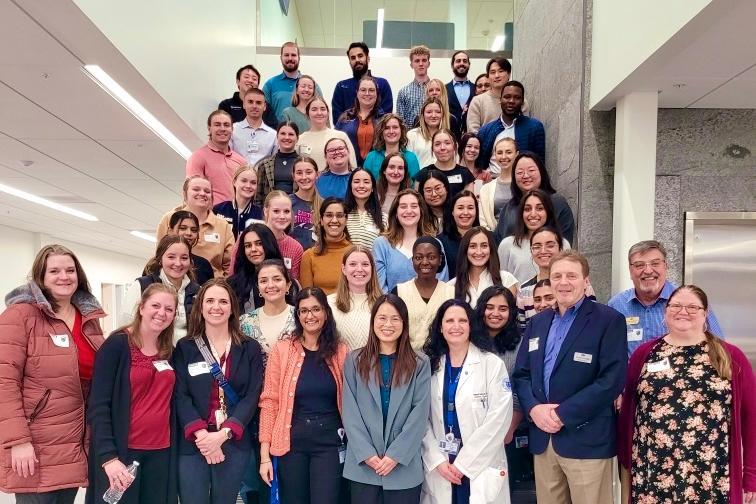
680,442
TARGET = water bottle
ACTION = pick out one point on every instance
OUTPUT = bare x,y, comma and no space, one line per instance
112,496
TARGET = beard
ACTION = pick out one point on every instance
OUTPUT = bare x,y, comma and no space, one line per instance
291,67
459,73
358,72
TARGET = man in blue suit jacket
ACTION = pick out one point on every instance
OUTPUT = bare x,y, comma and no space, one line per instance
570,368
527,131
460,86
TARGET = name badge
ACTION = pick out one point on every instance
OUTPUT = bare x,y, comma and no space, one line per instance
532,344
305,149
60,340
635,335
162,365
632,320
655,367
287,262
198,368
482,398
253,146
449,444
455,179
583,357
212,237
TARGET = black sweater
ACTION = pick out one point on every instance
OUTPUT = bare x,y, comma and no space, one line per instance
109,415
193,392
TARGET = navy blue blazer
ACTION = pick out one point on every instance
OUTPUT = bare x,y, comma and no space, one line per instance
529,136
455,108
588,375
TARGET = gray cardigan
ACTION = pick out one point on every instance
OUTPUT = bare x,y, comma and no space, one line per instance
402,438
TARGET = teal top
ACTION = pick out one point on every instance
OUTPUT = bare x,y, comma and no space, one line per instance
375,158
294,115
387,366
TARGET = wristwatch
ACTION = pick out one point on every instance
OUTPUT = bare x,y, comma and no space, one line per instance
229,433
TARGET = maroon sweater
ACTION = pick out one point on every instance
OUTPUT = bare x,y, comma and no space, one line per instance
743,428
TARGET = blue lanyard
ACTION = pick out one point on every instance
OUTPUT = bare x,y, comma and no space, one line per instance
451,391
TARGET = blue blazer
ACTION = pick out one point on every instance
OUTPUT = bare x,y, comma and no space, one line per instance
455,108
585,391
529,136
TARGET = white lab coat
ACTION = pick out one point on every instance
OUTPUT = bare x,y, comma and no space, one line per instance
484,410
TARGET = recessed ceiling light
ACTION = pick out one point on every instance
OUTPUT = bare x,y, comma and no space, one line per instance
46,202
130,103
144,236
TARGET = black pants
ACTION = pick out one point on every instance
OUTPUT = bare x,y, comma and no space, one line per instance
311,472
64,496
203,483
372,494
151,483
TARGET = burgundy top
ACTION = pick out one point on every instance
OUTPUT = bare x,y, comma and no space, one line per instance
151,392
742,432
84,350
214,395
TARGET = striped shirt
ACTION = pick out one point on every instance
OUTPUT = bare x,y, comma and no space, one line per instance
362,228
646,323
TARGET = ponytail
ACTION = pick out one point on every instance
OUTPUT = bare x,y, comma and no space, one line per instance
719,356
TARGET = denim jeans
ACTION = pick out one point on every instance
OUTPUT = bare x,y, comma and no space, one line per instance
202,483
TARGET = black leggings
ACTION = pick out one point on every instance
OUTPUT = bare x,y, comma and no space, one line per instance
311,472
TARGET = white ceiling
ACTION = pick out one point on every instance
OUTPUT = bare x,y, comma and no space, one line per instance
709,63
86,151
322,21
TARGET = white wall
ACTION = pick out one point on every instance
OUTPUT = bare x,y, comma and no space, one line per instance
278,28
101,266
625,34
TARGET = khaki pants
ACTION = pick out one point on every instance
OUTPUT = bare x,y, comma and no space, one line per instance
561,480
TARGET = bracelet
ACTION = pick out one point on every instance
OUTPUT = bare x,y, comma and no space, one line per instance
265,461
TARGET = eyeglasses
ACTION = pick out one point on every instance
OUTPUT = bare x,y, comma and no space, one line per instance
550,245
522,173
434,190
691,308
367,90
383,320
333,216
641,265
315,310
335,150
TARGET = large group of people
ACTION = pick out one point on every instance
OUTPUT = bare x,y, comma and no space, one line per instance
386,310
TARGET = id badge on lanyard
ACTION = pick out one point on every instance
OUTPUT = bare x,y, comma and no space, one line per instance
221,414
450,444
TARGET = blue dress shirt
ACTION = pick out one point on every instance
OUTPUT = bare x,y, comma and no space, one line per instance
560,326
462,90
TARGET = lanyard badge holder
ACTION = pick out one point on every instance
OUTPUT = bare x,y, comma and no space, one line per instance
226,394
450,444
342,448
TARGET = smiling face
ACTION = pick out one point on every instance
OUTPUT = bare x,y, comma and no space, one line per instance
444,147
505,152
367,94
245,184
358,60
408,211
511,100
220,129
434,192
426,261
543,247
216,306
482,85
362,185
464,212
337,155
290,58
568,282
497,76
357,270
199,194
305,175
318,114
157,313
312,315
186,228
496,314
247,80
685,313
648,271
334,221
433,89
455,326
461,65
533,213
60,278
287,139
388,324
305,89
432,115
395,170
472,150
392,132
176,261
479,251
527,175
543,297
272,283
253,248
278,214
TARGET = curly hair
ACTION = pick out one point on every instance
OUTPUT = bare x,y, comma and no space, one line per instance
435,346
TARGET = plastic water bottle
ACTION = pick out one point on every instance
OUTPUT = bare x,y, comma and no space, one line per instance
112,496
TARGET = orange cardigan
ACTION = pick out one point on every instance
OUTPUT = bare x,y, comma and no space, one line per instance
277,398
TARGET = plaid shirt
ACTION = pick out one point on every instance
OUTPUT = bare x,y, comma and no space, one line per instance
408,102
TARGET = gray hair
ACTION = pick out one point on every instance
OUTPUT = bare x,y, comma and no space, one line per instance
644,246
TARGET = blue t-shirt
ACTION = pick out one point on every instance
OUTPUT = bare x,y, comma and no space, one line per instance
331,184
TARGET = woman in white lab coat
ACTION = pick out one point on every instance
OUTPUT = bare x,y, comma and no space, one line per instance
471,409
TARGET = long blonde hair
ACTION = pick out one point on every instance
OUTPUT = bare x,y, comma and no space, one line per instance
718,355
372,289
165,338
421,117
395,232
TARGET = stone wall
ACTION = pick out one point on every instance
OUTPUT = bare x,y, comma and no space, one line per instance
705,162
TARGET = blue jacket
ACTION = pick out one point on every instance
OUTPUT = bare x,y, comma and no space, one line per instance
349,125
345,93
529,136
588,375
455,108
